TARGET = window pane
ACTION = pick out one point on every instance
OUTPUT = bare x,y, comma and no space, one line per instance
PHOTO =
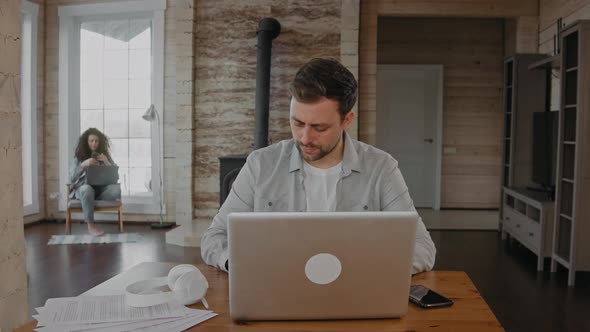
141,34
91,119
116,64
116,35
140,152
91,94
92,36
26,111
138,127
140,94
91,66
115,91
116,123
120,151
140,64
140,180
115,94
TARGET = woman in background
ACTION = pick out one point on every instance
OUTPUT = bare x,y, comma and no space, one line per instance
92,150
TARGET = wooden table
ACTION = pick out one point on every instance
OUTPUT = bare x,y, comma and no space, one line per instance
469,313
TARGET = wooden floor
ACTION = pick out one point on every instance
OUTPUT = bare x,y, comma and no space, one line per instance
504,273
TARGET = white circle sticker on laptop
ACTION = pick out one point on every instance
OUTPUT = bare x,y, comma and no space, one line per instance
323,269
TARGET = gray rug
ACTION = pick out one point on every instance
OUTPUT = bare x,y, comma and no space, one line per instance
87,239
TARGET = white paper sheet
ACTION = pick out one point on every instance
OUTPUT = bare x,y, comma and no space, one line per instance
198,315
178,325
105,326
152,325
102,309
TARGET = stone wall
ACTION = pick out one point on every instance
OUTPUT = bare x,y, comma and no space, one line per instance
13,289
225,60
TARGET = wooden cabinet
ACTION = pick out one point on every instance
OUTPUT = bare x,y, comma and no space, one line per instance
528,218
571,240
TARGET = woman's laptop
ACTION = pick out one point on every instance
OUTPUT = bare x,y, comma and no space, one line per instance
102,175
336,265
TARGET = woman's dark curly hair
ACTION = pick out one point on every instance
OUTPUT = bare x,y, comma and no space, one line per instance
83,151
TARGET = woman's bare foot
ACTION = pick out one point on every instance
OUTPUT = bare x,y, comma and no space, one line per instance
94,230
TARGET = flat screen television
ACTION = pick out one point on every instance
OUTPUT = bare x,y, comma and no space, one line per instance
545,149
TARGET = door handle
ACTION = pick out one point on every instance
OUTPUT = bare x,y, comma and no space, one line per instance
429,140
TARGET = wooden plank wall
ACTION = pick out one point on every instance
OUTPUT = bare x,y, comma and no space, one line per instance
371,10
549,12
471,51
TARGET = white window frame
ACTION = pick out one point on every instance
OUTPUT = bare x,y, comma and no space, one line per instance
70,18
31,12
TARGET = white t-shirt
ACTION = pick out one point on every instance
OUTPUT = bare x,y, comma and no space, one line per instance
320,187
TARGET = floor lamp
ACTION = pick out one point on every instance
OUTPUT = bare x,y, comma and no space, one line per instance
152,115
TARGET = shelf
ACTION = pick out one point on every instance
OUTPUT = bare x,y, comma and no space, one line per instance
566,199
573,225
533,214
570,88
510,201
568,161
521,207
571,49
564,237
547,63
509,86
569,124
561,261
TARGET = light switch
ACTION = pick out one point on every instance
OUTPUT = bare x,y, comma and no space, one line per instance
449,150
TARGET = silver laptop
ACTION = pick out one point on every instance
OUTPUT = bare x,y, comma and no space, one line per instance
102,175
336,265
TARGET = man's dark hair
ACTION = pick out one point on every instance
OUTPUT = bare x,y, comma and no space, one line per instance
325,77
83,151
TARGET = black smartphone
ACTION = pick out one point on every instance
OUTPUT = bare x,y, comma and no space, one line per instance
427,298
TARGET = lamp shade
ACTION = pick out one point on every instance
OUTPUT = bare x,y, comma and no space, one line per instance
150,114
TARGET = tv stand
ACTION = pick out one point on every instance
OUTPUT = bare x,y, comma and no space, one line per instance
528,217
549,191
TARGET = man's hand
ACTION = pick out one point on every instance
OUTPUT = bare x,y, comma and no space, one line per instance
104,159
90,162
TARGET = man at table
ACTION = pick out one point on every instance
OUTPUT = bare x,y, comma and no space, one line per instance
320,169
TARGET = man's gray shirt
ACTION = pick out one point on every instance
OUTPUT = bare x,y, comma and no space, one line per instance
272,180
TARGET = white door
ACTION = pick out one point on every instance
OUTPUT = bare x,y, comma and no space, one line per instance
409,117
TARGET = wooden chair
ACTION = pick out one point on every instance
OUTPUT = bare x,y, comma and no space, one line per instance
75,205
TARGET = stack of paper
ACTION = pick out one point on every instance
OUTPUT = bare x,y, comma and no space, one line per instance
110,313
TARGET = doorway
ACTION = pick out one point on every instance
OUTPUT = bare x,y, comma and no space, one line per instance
409,126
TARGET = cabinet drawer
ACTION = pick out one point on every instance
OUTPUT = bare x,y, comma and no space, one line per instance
508,220
517,222
520,226
533,234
